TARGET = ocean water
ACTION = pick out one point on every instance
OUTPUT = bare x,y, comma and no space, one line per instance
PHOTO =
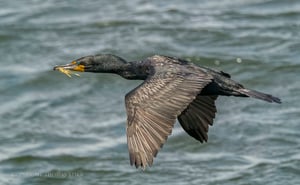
60,130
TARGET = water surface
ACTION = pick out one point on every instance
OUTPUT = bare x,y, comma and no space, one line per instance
60,130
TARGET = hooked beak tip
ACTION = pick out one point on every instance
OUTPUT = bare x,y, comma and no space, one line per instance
55,68
72,66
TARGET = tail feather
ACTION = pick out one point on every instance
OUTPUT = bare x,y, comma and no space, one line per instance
260,95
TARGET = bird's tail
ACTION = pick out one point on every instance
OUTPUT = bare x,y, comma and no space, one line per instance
259,95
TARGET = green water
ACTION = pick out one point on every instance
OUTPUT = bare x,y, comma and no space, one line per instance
60,130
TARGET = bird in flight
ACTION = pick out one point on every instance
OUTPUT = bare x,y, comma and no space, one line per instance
173,88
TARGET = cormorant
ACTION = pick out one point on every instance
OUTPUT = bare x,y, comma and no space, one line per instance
173,88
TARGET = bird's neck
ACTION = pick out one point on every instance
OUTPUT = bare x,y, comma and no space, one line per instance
113,64
109,64
136,70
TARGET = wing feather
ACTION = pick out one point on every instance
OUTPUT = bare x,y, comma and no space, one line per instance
197,117
152,109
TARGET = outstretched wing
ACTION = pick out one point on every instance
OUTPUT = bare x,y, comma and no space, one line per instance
196,118
153,107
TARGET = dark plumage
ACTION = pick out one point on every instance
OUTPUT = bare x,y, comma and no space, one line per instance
172,89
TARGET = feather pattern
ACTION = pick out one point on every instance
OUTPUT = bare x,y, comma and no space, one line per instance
197,117
152,109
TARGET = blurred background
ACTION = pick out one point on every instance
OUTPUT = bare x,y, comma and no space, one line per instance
60,130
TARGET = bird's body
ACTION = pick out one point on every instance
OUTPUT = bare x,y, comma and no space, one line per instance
172,89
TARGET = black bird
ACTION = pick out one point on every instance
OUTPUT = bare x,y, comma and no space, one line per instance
173,89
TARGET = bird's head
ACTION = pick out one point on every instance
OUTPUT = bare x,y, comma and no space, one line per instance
102,63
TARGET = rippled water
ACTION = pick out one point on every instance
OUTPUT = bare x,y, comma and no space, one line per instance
57,130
